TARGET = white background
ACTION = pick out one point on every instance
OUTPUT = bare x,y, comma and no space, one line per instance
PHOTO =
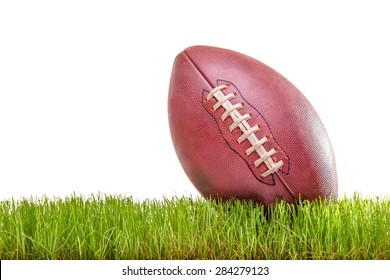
83,87
110,269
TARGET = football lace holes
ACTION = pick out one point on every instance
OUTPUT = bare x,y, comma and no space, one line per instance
248,132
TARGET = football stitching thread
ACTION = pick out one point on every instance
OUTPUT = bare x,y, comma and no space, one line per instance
240,121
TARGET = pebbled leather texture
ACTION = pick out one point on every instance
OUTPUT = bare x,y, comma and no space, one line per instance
209,153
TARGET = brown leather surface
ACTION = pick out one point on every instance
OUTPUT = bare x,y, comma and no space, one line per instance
209,153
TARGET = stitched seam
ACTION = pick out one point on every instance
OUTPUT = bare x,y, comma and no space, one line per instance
219,81
197,68
248,133
231,148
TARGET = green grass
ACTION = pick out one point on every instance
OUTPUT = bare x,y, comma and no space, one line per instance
114,227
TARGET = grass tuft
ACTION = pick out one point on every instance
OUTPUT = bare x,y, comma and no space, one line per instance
116,227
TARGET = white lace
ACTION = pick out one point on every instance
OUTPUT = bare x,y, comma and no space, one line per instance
248,132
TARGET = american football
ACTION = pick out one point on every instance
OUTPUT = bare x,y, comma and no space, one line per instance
241,130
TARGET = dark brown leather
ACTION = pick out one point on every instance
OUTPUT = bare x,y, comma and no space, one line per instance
209,153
